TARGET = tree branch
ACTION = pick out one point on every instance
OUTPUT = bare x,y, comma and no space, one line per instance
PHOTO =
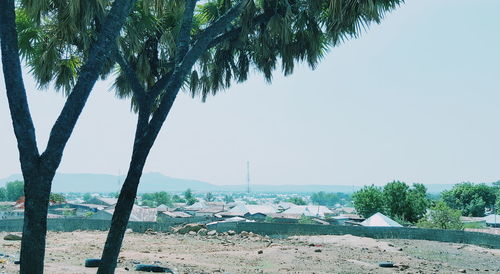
185,30
173,86
235,32
182,44
16,92
137,89
99,52
208,35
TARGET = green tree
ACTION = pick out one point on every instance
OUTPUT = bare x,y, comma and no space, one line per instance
417,203
57,198
326,199
86,197
368,201
157,198
228,199
471,199
177,199
189,197
305,220
296,201
395,199
209,197
3,194
441,216
14,190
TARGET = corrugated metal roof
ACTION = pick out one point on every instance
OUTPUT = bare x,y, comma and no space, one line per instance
379,219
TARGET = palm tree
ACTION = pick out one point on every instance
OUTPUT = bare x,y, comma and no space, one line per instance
168,46
50,58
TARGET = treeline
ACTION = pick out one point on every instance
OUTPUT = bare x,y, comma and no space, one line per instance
413,205
158,198
14,191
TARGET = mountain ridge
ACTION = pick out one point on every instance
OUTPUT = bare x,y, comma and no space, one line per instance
154,181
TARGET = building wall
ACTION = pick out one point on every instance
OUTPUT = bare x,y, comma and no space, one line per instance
72,224
275,229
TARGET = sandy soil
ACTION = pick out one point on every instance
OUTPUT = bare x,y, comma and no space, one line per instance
66,253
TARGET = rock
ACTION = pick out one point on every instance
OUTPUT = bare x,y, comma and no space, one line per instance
190,227
12,237
212,233
462,271
244,233
260,252
129,230
317,250
152,268
403,267
17,262
92,262
191,233
203,232
231,232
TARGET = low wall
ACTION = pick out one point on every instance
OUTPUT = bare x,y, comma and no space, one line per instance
72,224
454,236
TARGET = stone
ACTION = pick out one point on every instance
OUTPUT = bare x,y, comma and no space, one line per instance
317,250
191,233
129,230
260,252
12,237
190,227
244,233
462,271
212,233
231,232
203,232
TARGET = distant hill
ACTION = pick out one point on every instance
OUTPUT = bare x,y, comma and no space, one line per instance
152,182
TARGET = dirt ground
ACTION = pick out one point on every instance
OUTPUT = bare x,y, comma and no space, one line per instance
67,251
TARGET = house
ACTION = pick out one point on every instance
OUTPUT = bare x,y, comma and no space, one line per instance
12,214
208,212
173,214
379,219
139,214
309,211
163,207
74,209
102,201
492,220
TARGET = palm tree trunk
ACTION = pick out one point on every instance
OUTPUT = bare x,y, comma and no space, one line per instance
122,212
37,191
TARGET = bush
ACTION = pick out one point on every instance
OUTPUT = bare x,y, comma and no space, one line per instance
304,220
442,216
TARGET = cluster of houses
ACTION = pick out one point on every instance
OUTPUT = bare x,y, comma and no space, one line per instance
102,208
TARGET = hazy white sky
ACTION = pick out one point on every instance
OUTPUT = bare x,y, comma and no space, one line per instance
415,99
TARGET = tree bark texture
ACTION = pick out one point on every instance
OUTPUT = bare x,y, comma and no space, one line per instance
39,170
37,191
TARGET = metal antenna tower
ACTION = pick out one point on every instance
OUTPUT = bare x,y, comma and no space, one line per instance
248,176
